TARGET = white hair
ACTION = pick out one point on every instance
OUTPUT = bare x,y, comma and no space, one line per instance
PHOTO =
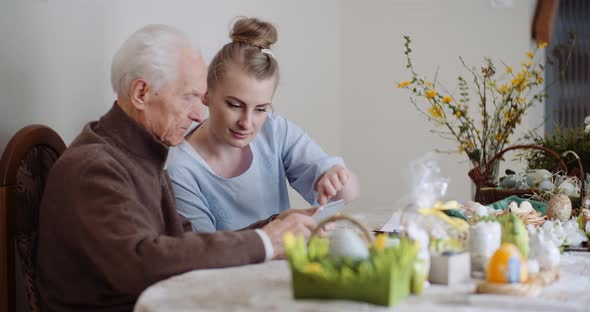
151,53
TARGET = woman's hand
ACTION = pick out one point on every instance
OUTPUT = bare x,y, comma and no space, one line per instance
331,183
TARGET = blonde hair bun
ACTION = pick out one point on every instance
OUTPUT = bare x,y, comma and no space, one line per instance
254,32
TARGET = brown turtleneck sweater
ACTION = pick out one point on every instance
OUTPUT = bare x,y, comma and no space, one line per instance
108,226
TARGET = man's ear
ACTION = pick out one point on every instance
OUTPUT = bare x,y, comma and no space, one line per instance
205,99
139,93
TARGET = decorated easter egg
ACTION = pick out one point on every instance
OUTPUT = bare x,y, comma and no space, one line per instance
514,232
559,207
507,266
346,243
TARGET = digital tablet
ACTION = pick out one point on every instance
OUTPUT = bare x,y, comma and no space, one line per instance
328,210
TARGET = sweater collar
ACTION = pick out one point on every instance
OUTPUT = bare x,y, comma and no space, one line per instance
132,136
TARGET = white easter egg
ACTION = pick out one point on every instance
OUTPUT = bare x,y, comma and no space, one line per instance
567,188
546,185
347,243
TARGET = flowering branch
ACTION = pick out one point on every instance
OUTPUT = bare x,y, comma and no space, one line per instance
501,104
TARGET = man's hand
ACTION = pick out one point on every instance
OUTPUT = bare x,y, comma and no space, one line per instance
331,183
294,222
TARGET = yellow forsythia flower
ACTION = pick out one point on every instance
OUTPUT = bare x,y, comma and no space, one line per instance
541,44
499,137
504,89
430,94
447,99
313,267
508,114
539,79
435,111
403,84
429,84
530,54
380,242
509,69
458,113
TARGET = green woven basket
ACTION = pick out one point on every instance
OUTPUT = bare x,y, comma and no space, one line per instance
387,282
387,290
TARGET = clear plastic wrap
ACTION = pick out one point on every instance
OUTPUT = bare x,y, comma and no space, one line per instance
423,208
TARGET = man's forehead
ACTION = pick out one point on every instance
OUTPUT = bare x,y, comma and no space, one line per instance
194,71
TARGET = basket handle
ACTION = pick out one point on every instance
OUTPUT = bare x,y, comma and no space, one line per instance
580,169
560,162
364,230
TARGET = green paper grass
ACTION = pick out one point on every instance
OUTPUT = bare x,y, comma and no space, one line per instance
383,279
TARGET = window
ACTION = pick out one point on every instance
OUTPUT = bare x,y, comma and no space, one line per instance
569,99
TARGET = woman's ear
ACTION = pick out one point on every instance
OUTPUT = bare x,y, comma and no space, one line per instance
139,93
205,99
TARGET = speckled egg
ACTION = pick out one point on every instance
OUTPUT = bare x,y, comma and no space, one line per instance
346,243
559,207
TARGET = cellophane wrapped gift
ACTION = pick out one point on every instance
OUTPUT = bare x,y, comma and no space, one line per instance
426,218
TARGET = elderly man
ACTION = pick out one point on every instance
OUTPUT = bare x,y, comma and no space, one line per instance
108,225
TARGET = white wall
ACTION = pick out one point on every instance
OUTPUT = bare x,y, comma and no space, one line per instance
382,131
339,61
55,55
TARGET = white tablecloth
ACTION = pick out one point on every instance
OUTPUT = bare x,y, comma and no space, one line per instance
267,287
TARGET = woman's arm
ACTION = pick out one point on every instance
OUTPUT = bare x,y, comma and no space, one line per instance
313,173
337,183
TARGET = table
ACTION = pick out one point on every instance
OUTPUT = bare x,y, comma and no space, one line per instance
267,287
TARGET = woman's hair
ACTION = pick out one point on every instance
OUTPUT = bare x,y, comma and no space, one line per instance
151,53
249,49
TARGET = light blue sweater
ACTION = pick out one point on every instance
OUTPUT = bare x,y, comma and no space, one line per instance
281,152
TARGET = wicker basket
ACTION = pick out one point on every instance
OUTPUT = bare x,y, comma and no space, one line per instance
382,289
488,192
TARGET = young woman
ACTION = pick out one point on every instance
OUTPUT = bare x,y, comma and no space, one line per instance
232,170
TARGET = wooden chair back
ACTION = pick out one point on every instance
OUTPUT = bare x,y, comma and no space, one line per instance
24,168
